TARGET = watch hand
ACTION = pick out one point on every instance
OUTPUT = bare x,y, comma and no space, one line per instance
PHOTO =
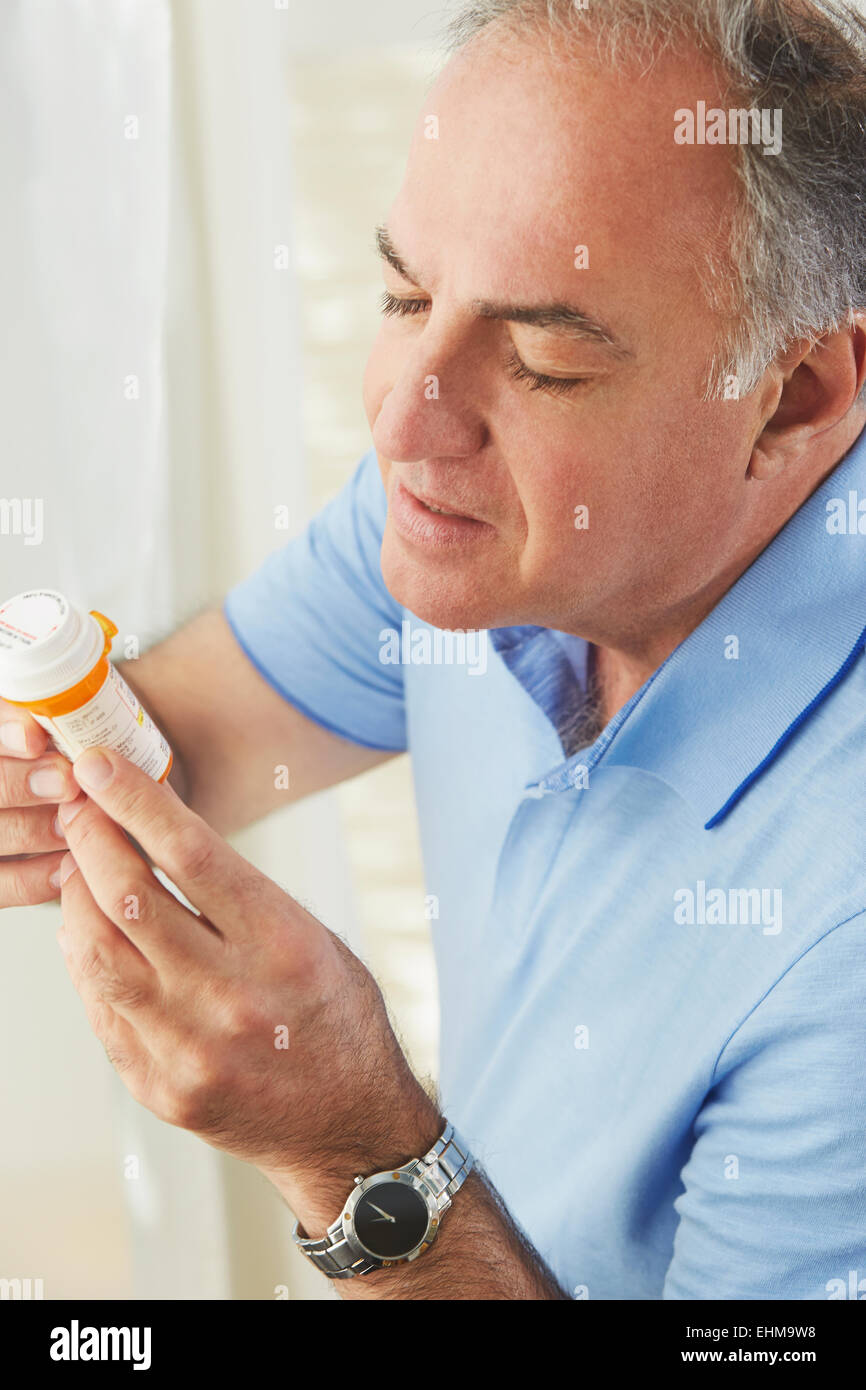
382,1213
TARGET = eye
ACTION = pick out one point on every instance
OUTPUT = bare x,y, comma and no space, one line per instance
391,305
555,385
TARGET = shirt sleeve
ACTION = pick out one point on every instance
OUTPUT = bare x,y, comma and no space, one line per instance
311,618
774,1205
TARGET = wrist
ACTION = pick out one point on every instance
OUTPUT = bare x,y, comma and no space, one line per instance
317,1193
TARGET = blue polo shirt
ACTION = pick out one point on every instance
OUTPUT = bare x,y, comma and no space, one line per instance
651,953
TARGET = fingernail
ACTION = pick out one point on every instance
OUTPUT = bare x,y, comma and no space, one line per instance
13,736
57,828
67,867
92,768
47,781
67,811
54,880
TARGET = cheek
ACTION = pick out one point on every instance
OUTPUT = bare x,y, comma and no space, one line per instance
559,498
583,513
549,512
550,549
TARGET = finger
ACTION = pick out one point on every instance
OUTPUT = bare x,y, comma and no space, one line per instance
26,783
30,829
24,882
213,876
128,894
20,735
107,969
124,1048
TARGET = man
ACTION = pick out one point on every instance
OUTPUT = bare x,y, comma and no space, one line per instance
618,428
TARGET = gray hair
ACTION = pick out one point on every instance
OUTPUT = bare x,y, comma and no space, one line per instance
795,263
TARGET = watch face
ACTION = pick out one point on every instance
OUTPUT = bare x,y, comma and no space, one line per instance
390,1219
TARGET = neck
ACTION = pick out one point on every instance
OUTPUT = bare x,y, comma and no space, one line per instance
618,668
616,677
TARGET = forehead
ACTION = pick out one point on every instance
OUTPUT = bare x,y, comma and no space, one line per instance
539,150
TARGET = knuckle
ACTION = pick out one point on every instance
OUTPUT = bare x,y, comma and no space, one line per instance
91,962
254,893
21,888
202,1072
132,902
127,806
9,782
124,993
307,953
16,830
113,986
194,1096
133,805
177,1110
120,1060
190,851
238,1018
83,828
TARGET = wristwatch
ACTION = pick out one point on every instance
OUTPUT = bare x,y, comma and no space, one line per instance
391,1218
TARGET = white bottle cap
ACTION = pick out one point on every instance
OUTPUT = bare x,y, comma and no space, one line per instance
46,645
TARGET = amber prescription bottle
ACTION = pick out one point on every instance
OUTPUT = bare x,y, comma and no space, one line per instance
54,663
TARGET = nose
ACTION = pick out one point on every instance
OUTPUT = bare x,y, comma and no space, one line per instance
432,407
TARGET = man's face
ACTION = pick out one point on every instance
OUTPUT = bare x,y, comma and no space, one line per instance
537,156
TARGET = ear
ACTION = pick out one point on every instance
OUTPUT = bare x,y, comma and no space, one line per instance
820,383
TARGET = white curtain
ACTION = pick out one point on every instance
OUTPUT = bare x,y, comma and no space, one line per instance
149,394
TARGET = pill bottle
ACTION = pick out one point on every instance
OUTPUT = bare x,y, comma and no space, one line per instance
54,663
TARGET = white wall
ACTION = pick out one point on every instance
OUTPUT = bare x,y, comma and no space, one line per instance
83,246
339,26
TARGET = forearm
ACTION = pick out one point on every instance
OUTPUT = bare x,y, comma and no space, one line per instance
242,750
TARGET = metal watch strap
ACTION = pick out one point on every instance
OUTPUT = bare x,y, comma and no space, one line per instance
446,1166
443,1169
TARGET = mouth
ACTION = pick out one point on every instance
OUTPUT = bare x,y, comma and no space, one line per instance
439,508
433,522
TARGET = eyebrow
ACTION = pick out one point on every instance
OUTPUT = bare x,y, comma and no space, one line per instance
562,318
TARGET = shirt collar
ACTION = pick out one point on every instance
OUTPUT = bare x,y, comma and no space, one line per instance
716,714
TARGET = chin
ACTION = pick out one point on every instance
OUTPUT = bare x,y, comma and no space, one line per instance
452,602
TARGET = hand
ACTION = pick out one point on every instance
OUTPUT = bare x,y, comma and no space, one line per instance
246,1021
32,782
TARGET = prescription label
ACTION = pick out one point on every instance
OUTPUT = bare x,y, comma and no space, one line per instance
113,718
